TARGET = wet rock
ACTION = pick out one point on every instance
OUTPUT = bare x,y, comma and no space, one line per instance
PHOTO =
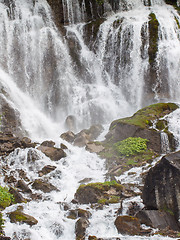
70,123
87,135
85,180
94,147
99,193
20,217
74,214
47,169
48,143
68,136
162,184
23,186
158,219
43,186
128,225
18,198
26,143
4,238
53,153
10,179
80,228
23,175
133,208
63,146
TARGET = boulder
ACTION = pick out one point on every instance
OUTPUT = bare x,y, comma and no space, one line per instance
80,228
20,217
47,169
158,219
128,225
87,135
48,143
43,186
18,198
162,185
32,156
53,153
94,147
23,186
108,192
68,136
139,126
74,214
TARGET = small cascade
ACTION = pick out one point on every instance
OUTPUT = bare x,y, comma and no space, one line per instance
164,143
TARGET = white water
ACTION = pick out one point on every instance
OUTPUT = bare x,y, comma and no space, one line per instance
104,93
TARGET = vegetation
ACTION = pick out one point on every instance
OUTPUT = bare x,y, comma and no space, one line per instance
6,198
1,223
131,146
102,186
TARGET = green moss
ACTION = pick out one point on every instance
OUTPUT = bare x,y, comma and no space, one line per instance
112,200
161,124
131,146
102,186
144,116
6,198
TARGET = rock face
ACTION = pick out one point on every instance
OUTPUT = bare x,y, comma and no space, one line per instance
157,219
80,228
162,185
127,225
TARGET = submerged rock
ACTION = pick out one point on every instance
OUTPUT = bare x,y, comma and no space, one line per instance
162,184
47,169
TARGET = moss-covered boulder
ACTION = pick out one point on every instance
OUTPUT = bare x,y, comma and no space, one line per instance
20,217
6,198
102,193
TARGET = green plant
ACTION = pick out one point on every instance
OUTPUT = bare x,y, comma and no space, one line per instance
1,223
6,198
131,146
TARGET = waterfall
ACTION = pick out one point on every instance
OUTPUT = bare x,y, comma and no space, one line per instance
164,143
97,67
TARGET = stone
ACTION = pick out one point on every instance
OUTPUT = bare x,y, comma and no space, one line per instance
23,186
43,186
70,123
20,217
48,143
157,219
128,225
18,198
80,228
47,169
94,148
68,136
99,192
63,146
162,184
53,153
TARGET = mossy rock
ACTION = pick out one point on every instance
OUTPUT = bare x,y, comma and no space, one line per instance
19,216
144,117
106,192
1,223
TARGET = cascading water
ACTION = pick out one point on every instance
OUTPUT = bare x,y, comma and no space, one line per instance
97,78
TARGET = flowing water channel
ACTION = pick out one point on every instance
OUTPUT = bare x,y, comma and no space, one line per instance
46,76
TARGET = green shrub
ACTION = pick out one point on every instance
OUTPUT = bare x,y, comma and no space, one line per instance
131,146
6,198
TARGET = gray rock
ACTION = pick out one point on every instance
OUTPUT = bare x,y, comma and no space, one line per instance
162,185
